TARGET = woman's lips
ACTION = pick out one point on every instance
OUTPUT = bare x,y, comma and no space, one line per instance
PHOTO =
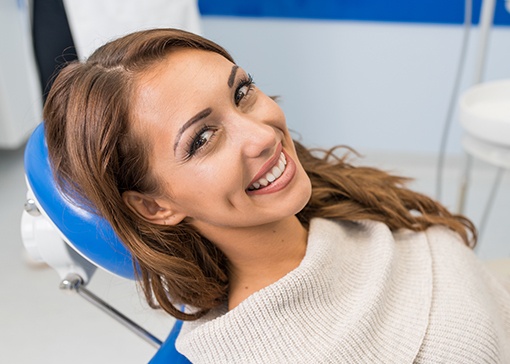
268,166
278,183
271,175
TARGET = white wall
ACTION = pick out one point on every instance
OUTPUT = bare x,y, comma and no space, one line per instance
374,86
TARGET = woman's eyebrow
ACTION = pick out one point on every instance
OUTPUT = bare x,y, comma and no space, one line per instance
232,76
202,114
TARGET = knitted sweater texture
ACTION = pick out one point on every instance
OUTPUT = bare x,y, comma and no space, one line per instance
364,294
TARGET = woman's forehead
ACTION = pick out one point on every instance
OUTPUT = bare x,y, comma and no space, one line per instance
187,59
183,74
179,86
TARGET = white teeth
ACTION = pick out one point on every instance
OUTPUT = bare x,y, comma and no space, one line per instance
272,175
276,172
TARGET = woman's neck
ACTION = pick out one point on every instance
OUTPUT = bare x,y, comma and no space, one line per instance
263,256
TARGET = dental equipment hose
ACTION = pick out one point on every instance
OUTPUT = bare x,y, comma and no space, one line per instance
468,11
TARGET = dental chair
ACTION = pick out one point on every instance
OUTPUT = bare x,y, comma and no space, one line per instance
75,242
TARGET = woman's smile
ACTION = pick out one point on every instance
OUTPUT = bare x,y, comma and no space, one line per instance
273,177
270,171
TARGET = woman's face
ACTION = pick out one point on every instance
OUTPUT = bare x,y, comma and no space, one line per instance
219,146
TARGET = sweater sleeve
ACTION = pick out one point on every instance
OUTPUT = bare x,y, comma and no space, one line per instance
470,313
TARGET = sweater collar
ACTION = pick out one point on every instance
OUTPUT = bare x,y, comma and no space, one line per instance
358,294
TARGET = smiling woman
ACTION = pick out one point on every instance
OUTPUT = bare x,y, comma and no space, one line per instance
280,254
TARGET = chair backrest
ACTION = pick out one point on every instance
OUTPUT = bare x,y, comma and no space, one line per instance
167,353
89,234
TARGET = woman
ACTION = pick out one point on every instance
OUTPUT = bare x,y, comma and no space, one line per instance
279,254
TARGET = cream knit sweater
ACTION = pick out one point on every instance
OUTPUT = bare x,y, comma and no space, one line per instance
363,294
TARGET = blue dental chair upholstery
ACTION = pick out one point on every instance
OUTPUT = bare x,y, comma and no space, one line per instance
74,241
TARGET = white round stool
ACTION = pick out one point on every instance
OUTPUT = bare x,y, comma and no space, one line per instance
485,116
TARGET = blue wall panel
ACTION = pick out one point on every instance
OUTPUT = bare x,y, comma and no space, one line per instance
427,11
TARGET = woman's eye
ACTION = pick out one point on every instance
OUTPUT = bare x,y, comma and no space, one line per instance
243,89
199,140
241,93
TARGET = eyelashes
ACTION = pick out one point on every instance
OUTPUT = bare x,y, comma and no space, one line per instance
244,86
201,138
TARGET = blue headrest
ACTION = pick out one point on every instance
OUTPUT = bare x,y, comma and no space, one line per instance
89,234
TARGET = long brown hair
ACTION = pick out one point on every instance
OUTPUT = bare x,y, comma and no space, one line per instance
96,157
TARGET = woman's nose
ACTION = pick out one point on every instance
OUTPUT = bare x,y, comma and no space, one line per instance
257,138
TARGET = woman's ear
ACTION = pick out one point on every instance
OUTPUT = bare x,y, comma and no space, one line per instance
150,209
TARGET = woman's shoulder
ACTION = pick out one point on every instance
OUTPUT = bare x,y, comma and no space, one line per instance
376,231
